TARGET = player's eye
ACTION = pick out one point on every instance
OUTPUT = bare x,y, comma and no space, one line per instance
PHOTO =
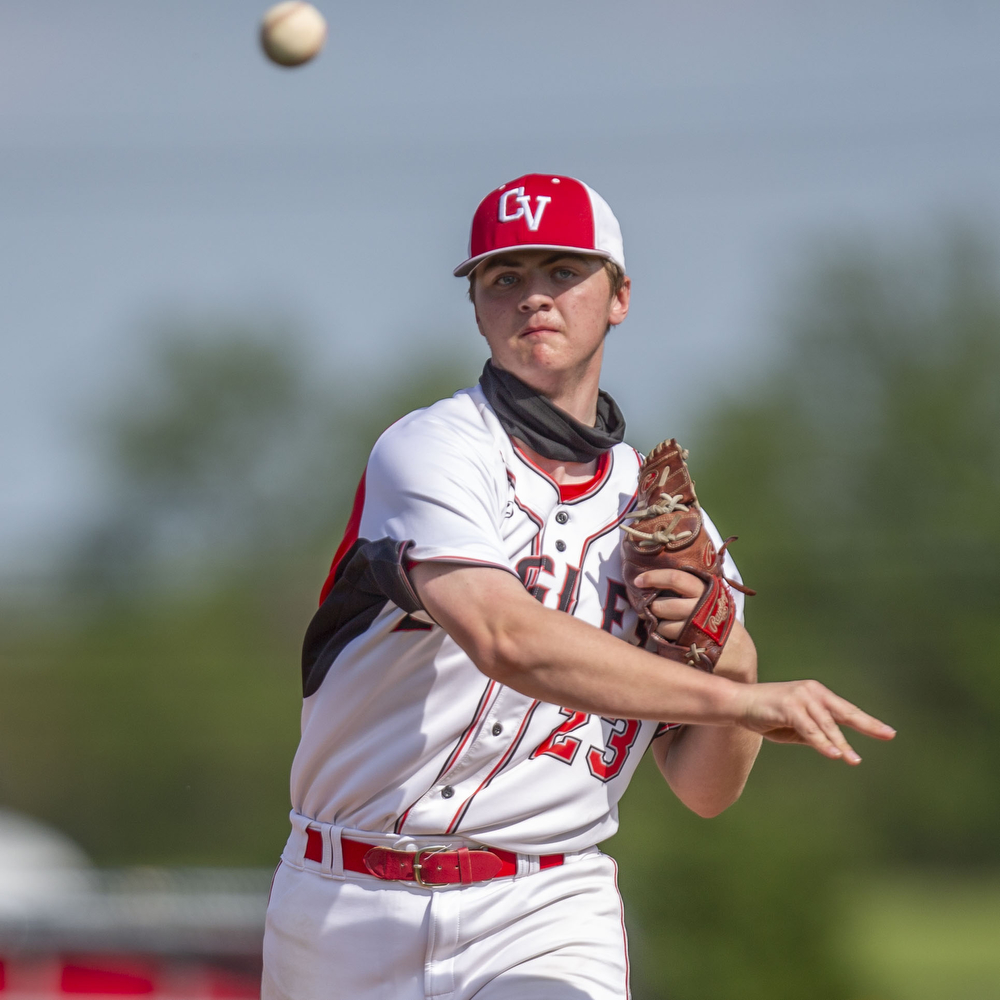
565,273
505,280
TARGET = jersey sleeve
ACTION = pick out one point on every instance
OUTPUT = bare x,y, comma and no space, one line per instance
439,489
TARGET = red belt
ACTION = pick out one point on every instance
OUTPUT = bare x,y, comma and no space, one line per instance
432,866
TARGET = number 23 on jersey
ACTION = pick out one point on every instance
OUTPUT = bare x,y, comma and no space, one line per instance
604,762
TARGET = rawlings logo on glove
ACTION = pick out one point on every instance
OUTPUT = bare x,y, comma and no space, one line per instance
667,532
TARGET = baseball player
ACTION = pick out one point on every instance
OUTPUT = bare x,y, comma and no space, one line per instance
477,693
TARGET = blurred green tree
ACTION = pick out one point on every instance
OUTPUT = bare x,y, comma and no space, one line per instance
208,455
863,475
151,711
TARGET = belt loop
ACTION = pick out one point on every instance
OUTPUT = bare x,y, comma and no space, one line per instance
295,848
333,852
527,864
464,866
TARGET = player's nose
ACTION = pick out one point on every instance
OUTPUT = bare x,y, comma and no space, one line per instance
536,295
536,291
536,302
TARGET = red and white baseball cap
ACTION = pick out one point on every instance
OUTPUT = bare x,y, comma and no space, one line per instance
543,212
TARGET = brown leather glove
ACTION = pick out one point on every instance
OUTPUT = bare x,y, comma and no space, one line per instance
667,532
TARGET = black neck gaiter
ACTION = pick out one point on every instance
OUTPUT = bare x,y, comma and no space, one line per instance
526,414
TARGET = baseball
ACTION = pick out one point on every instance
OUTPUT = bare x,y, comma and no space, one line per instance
292,33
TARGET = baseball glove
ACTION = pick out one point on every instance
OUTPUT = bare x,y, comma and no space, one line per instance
667,532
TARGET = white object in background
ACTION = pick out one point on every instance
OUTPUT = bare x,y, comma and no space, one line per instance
292,33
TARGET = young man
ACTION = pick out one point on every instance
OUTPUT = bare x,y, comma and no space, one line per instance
472,715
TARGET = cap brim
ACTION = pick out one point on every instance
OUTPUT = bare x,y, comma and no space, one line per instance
468,266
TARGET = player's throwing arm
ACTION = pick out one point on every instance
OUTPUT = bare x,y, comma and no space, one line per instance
556,658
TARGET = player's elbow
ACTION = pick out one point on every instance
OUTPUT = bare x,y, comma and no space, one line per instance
703,796
506,656
487,611
709,809
513,650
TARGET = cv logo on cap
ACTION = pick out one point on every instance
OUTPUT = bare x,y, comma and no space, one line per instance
524,212
518,215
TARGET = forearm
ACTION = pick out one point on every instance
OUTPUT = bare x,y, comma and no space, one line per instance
706,766
567,662
556,658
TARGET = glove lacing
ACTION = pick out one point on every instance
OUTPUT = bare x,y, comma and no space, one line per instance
665,504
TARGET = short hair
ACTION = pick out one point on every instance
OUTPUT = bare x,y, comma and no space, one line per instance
615,273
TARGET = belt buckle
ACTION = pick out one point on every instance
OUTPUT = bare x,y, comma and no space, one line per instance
418,866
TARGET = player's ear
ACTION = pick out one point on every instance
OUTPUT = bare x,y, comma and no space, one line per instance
620,302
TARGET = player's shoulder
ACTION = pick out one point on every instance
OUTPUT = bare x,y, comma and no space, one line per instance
460,425
624,452
459,418
627,459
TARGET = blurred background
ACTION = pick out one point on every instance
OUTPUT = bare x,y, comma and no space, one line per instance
219,281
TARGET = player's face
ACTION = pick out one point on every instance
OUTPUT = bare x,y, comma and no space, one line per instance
545,314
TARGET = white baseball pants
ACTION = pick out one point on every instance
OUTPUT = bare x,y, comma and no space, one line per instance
556,934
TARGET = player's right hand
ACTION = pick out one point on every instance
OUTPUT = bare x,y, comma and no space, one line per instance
808,713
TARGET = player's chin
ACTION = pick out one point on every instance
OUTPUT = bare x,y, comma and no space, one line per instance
547,346
539,361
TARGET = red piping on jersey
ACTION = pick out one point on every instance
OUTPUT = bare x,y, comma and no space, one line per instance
484,702
350,537
571,491
531,576
456,753
502,763
587,542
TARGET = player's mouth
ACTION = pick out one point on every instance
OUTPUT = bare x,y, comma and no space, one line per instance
537,330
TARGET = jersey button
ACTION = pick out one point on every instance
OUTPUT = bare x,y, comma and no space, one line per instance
447,792
497,729
561,546
562,517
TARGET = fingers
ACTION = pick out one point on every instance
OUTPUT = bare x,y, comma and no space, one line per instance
788,735
679,592
673,613
850,715
808,712
678,581
829,740
673,608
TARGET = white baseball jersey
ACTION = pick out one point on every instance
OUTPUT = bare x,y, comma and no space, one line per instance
401,732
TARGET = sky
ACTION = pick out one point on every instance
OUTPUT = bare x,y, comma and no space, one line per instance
152,163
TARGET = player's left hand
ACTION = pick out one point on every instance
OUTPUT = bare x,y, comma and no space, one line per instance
680,591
